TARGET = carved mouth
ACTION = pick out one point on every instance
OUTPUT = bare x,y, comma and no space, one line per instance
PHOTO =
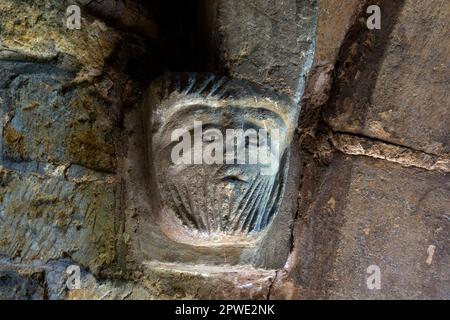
234,178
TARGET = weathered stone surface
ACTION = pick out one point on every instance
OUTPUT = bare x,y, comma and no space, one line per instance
175,281
22,281
269,42
61,94
35,30
367,212
391,211
156,281
71,194
46,122
207,282
335,18
28,285
350,144
44,218
130,16
393,83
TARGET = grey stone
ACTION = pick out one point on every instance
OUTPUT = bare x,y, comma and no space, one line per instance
45,218
16,286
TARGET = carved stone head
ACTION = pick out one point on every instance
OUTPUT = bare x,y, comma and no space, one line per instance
220,148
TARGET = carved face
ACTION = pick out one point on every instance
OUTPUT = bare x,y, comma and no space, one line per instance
220,157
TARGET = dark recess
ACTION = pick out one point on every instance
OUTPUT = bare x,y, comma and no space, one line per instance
188,36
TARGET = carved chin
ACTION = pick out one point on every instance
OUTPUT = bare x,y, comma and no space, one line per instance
212,204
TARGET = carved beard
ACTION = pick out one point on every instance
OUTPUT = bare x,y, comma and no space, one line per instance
206,201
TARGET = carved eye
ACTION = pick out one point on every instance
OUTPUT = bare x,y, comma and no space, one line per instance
249,142
210,135
263,142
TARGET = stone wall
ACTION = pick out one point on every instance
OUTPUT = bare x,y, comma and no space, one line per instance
373,152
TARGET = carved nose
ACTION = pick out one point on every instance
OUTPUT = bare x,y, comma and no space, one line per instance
233,120
233,178
234,173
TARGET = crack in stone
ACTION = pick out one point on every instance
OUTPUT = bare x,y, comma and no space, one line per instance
360,145
269,292
297,212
